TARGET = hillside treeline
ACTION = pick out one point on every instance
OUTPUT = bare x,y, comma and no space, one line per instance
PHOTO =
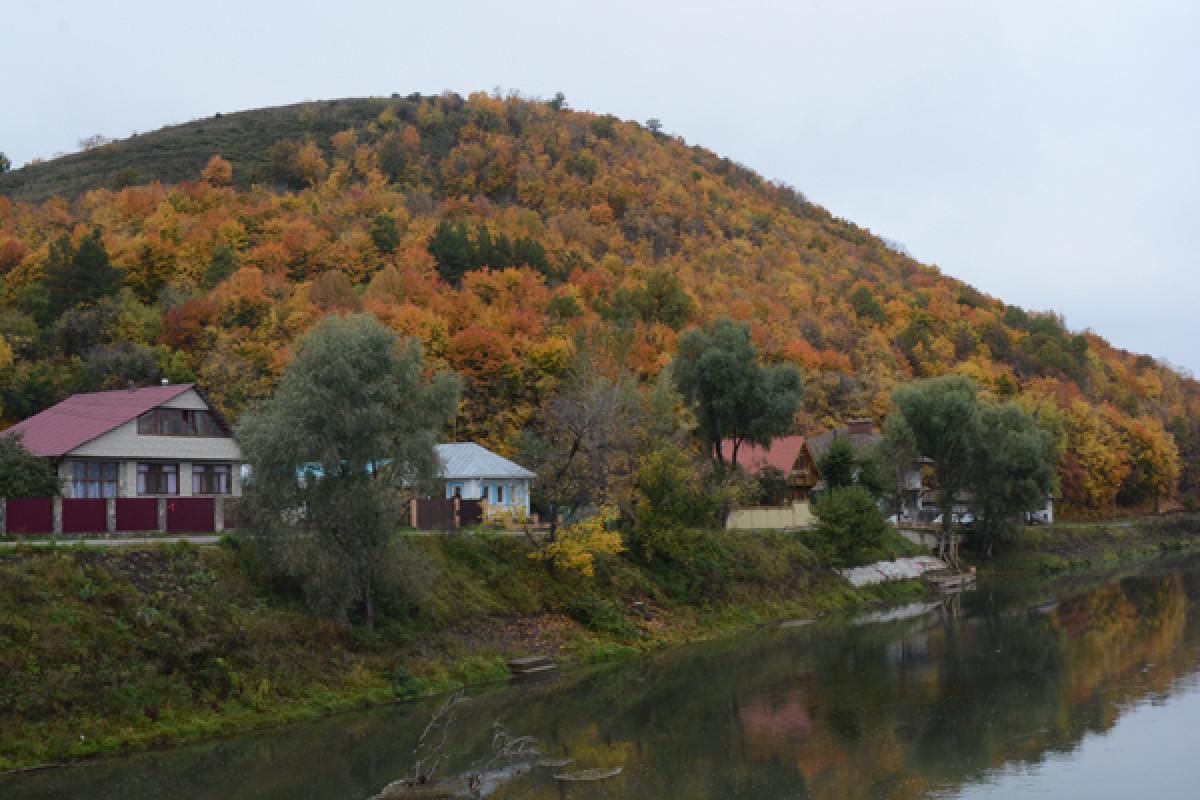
507,235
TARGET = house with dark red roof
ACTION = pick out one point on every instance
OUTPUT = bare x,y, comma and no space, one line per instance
787,454
161,441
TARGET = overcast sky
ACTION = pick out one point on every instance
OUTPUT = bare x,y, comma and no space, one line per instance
1046,152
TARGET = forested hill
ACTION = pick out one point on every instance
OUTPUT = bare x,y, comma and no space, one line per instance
178,153
499,231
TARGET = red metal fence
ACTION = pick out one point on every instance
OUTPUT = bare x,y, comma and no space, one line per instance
74,516
137,514
30,515
80,515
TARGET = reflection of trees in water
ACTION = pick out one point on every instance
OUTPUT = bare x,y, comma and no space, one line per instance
875,711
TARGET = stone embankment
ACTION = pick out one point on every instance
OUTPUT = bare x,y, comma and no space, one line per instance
901,569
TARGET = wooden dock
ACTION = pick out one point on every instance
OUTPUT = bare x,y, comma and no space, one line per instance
530,665
950,582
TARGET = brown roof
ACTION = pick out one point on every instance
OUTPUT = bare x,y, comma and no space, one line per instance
781,454
82,417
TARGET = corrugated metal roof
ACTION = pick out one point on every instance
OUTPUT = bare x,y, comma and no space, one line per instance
82,417
781,454
464,460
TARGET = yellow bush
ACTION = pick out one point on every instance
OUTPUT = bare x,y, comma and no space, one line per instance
576,547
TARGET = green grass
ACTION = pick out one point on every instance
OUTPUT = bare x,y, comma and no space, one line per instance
1054,549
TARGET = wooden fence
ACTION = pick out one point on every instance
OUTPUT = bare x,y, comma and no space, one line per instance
440,514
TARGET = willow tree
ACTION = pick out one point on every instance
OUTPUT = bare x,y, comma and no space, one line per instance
940,416
735,396
353,420
1012,470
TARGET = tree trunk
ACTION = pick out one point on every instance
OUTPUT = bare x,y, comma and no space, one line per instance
369,604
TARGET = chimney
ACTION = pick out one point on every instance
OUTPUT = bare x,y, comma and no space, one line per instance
859,425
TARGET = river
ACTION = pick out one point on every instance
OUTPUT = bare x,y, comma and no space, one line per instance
1084,688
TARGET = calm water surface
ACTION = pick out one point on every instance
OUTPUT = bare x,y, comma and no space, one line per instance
1084,689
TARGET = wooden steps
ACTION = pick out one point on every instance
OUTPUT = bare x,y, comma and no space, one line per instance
530,665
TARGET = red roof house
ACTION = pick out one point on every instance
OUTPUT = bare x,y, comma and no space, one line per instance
158,441
786,454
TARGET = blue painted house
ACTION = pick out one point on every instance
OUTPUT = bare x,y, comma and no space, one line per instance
476,473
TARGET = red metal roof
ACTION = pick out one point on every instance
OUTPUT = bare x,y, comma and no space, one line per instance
82,417
781,455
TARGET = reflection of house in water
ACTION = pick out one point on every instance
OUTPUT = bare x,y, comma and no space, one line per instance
772,725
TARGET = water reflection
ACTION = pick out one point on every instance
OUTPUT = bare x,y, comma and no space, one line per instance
936,703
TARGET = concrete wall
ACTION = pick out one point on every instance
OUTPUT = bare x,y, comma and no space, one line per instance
796,516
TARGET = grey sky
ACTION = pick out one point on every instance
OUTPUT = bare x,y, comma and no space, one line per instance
1045,152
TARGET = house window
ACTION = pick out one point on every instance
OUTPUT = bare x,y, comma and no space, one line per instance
487,492
158,478
499,494
180,422
210,478
94,479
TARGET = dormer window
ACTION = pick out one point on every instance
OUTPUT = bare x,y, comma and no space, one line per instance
180,422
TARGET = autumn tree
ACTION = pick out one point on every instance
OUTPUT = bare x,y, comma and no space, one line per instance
583,445
353,419
297,165
1096,462
218,172
1153,462
735,396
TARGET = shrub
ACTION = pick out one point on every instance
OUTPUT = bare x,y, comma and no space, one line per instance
850,523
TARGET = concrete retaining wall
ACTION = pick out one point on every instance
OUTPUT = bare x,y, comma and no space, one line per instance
794,517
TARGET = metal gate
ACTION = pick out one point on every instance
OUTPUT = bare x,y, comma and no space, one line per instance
191,515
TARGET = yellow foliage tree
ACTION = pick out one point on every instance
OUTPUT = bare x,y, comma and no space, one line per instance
218,172
577,546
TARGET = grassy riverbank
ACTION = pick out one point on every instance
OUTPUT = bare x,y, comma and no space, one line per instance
1073,546
103,650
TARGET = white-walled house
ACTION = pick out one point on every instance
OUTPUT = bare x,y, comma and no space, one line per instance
160,441
472,472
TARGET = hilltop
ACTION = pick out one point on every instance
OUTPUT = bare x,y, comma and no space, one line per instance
178,153
502,233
